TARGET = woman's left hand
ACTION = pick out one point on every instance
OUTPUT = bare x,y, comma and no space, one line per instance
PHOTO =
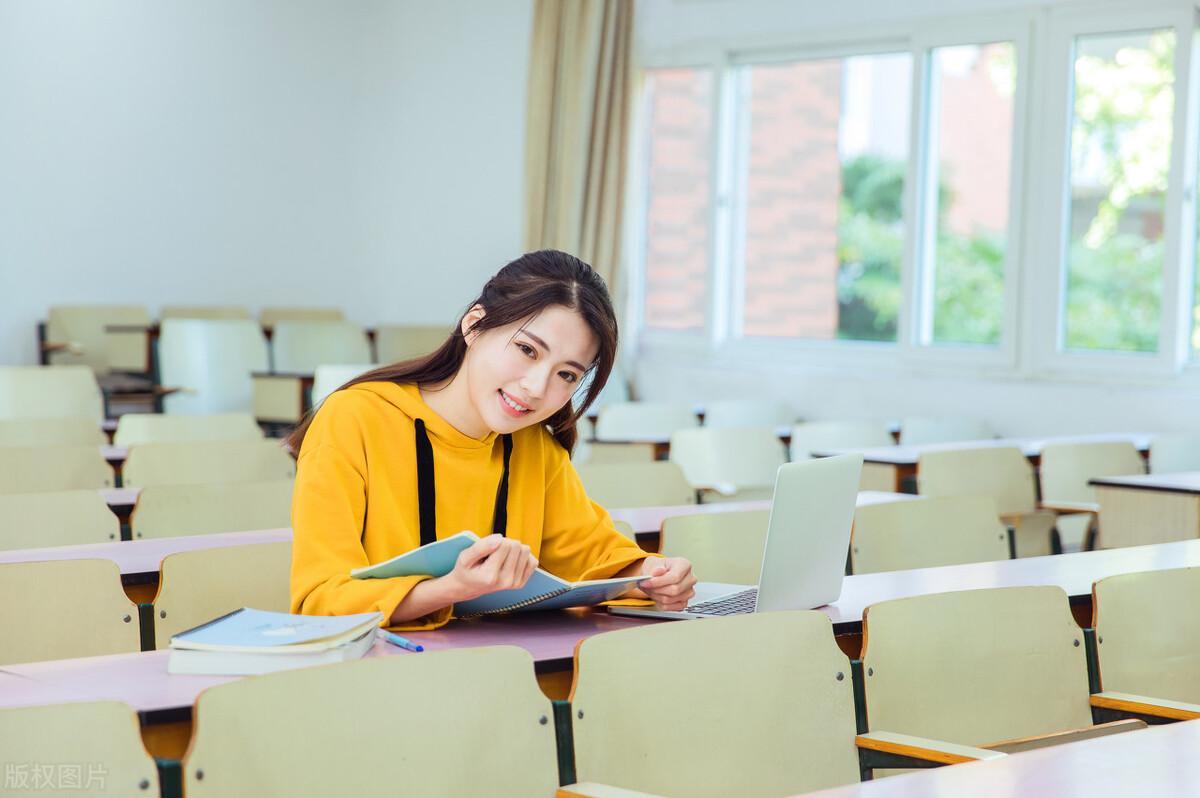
672,585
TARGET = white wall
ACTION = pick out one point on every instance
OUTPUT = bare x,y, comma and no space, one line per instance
366,155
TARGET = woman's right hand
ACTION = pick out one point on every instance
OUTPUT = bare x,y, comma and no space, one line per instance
491,564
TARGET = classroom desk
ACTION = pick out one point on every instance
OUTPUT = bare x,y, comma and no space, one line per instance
662,443
1158,761
887,468
1147,508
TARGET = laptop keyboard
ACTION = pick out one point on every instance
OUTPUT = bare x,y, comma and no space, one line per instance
737,604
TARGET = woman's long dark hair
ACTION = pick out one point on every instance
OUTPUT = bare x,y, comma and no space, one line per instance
519,291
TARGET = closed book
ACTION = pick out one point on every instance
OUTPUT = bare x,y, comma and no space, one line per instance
543,591
249,641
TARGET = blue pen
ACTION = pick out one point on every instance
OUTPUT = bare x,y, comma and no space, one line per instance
402,642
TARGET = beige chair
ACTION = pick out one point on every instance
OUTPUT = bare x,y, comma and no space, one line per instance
205,312
823,436
920,430
78,335
1175,453
1148,643
729,463
88,747
60,609
946,530
60,518
137,428
210,462
1004,474
165,511
268,736
210,362
643,421
593,453
38,469
722,547
196,586
636,484
748,413
52,432
269,317
1065,469
761,704
396,342
298,347
1002,669
328,378
49,392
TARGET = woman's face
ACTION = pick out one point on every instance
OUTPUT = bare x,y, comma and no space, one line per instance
523,373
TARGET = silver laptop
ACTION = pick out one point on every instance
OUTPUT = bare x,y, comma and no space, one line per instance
804,558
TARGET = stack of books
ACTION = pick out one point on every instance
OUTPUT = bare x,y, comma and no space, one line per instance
248,641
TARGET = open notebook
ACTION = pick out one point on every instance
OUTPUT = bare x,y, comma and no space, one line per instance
543,591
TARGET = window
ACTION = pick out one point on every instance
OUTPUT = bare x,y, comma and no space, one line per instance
1120,153
826,148
971,93
679,112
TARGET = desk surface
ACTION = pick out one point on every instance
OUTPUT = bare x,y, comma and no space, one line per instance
1158,761
1031,447
141,680
135,557
1186,482
650,519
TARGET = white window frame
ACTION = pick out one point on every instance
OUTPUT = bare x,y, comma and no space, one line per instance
1048,266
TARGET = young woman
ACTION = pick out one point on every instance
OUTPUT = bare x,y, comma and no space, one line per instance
477,435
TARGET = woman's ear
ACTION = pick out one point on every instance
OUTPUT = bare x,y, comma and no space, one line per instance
469,320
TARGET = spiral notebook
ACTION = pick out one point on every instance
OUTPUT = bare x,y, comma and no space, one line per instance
543,591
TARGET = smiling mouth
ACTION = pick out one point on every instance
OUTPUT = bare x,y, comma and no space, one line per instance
514,407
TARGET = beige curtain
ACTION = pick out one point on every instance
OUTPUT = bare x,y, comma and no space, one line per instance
580,90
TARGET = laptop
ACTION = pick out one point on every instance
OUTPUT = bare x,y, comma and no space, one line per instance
804,559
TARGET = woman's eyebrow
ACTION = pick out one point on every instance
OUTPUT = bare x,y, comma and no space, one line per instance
546,346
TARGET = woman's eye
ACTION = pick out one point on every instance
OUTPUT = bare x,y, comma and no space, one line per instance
568,376
528,350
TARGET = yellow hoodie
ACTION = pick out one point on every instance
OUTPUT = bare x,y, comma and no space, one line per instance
355,501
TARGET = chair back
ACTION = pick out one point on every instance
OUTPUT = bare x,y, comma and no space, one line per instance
1175,453
975,667
167,511
820,436
211,361
761,704
51,431
210,462
195,587
923,533
640,421
49,392
134,429
730,459
269,317
1143,646
1066,467
748,413
39,469
722,547
100,741
298,347
328,378
636,484
83,328
59,518
920,430
264,736
59,609
609,453
396,342
1001,472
